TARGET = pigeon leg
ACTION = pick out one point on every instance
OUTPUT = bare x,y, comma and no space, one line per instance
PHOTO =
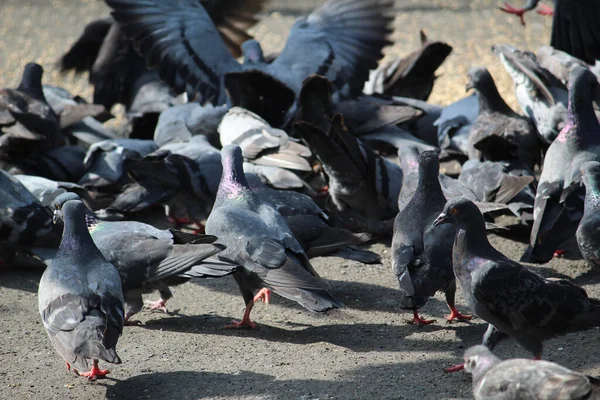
95,372
492,337
455,368
454,314
68,367
159,304
245,322
418,320
264,295
512,10
133,305
559,253
544,9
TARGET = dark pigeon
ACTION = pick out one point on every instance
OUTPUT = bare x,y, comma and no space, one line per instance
499,133
454,125
515,301
258,239
559,198
80,298
581,39
587,234
46,190
64,163
422,254
151,259
520,378
412,76
541,95
27,122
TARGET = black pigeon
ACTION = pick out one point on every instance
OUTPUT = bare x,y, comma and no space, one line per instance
422,254
525,379
574,26
258,239
587,234
27,123
559,199
515,301
151,259
80,298
500,134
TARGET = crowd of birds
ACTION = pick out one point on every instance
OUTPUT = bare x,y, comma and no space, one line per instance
263,164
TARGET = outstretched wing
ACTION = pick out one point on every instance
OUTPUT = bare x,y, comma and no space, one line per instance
575,29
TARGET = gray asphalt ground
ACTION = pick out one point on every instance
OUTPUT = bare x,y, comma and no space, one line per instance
364,351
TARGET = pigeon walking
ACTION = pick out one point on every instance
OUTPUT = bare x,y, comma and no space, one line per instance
514,301
258,239
80,298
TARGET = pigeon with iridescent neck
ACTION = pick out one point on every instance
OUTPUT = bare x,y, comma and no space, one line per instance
258,238
422,254
588,231
515,301
558,203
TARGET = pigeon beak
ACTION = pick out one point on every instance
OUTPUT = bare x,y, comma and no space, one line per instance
468,87
442,219
55,217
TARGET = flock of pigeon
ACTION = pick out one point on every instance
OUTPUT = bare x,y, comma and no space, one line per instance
263,164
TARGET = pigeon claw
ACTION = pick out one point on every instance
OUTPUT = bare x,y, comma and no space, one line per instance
455,314
520,12
68,367
559,253
455,368
159,304
418,320
544,9
264,295
95,372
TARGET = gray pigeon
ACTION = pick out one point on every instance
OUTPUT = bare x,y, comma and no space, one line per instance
80,298
151,259
454,125
582,39
559,199
342,40
499,133
587,234
541,95
515,301
258,239
46,190
27,123
422,254
521,379
558,63
104,162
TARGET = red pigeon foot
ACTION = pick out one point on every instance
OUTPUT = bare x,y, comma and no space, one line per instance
95,372
544,9
264,295
159,304
455,368
454,314
418,320
512,10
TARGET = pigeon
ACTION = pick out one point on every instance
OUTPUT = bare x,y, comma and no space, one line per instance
525,379
500,134
258,239
541,96
64,163
342,39
104,162
515,301
27,122
80,298
422,254
412,76
558,63
581,39
453,127
151,259
587,231
46,190
559,199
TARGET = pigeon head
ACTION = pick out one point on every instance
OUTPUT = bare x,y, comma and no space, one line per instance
252,52
60,202
31,81
477,78
429,162
478,360
459,210
481,80
582,85
233,180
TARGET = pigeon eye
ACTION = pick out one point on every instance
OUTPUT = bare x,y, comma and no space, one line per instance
453,211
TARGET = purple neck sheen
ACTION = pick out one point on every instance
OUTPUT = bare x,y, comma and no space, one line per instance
581,124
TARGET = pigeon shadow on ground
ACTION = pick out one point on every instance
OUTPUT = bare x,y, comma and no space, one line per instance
356,337
590,277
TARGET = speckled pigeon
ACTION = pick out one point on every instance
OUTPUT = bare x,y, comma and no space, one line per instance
258,239
520,378
151,259
422,254
80,298
515,301
559,199
588,231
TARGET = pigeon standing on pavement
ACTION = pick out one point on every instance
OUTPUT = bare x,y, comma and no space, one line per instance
514,301
558,203
520,378
258,239
588,231
422,254
80,298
